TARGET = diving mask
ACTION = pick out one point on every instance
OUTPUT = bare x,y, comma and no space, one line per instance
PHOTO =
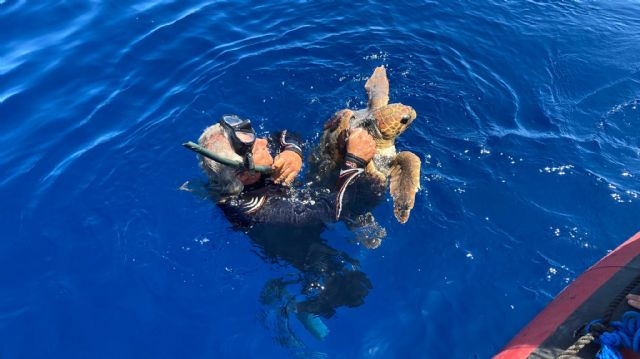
242,136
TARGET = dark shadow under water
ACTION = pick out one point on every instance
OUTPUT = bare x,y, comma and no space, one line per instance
326,279
329,278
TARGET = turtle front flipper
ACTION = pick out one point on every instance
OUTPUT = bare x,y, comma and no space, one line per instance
405,182
378,88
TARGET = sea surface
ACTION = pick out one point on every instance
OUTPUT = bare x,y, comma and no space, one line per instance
528,129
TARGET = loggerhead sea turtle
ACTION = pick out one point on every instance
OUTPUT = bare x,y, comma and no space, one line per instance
384,122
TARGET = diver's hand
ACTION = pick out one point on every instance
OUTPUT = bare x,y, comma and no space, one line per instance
261,157
286,167
633,300
361,144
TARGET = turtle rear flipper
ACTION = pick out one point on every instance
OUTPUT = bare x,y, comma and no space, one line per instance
378,88
367,230
405,182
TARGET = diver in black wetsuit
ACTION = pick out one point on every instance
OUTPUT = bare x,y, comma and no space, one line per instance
248,197
285,222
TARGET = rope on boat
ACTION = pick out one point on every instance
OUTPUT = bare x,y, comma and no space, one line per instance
579,344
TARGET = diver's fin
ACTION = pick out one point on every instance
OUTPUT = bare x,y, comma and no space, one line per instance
313,324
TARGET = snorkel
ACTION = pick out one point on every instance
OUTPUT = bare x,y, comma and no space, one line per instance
223,160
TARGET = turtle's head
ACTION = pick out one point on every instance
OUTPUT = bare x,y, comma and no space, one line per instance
393,120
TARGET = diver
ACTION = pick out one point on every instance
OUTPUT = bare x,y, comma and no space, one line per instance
254,192
252,187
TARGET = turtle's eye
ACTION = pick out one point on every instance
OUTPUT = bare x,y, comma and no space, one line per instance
405,119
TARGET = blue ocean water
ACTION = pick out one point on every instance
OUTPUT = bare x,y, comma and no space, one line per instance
527,126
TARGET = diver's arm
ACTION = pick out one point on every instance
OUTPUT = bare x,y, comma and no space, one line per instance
286,140
290,141
351,169
361,148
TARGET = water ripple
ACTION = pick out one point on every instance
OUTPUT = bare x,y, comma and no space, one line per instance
51,176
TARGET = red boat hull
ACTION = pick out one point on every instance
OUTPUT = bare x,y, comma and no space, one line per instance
587,298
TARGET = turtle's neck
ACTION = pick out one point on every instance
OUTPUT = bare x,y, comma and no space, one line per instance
383,144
